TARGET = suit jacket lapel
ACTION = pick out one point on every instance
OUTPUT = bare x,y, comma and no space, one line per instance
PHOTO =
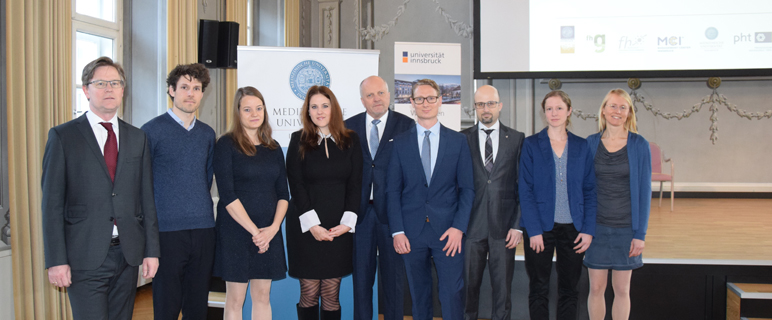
361,129
573,157
388,131
88,135
123,143
546,151
413,145
440,151
504,145
475,149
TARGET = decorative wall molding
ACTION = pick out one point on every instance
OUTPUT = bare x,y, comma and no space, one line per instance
329,23
5,231
713,101
375,33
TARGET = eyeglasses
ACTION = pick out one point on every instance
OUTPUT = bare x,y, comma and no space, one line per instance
489,104
420,100
101,84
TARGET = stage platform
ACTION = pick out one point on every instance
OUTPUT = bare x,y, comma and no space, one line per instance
690,255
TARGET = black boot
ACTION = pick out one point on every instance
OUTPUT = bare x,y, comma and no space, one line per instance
331,315
310,313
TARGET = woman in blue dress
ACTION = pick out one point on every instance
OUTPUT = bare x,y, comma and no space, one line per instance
623,175
252,183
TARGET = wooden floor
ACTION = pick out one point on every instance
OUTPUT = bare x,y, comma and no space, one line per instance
143,304
708,229
698,229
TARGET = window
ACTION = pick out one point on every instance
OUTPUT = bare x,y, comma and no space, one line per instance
97,28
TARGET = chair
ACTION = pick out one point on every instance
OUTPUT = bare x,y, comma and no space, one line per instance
657,157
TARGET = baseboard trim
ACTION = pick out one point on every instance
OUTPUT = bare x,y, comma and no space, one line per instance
714,187
714,195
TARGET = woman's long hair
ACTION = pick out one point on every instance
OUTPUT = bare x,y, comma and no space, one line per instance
630,124
237,131
309,138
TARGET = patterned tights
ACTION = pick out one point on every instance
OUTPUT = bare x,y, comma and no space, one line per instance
328,289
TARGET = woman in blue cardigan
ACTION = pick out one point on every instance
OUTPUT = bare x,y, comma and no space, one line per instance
623,174
557,200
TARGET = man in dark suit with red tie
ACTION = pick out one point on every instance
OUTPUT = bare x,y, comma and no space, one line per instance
99,219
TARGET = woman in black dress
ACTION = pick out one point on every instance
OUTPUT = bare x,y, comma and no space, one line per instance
324,169
252,183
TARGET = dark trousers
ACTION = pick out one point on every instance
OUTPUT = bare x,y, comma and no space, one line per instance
370,239
450,271
501,267
107,292
539,266
182,280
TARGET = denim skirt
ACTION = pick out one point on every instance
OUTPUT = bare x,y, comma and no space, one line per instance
610,249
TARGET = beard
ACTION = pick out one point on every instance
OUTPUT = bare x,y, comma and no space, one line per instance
487,120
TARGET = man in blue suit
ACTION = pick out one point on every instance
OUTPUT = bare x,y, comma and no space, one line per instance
376,127
430,190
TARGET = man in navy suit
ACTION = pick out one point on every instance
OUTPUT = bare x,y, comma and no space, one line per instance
376,127
430,190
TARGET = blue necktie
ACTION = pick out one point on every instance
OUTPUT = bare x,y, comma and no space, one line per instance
374,138
426,156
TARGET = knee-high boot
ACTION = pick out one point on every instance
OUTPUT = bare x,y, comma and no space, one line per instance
331,315
310,313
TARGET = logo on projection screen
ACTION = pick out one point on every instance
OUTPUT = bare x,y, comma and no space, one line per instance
711,33
567,39
763,37
307,74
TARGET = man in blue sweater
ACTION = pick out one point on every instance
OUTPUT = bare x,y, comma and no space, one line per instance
182,149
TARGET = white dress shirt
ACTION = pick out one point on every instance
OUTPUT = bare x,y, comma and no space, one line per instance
101,137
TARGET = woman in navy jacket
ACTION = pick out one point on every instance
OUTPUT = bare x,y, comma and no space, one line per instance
623,173
557,199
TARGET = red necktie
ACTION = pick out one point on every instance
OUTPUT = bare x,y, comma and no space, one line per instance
111,150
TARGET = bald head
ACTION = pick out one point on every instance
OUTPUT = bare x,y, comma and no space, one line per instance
486,93
487,105
375,96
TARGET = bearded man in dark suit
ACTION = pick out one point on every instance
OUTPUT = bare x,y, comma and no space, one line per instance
494,225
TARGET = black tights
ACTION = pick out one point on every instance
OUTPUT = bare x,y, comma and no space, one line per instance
328,289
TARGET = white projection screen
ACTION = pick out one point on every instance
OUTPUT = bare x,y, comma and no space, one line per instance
603,39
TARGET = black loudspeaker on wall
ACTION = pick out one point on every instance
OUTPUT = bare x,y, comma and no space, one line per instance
208,32
217,42
227,43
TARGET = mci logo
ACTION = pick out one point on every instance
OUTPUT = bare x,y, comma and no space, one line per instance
404,56
669,41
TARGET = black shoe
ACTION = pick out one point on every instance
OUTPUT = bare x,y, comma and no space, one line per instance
331,315
310,313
